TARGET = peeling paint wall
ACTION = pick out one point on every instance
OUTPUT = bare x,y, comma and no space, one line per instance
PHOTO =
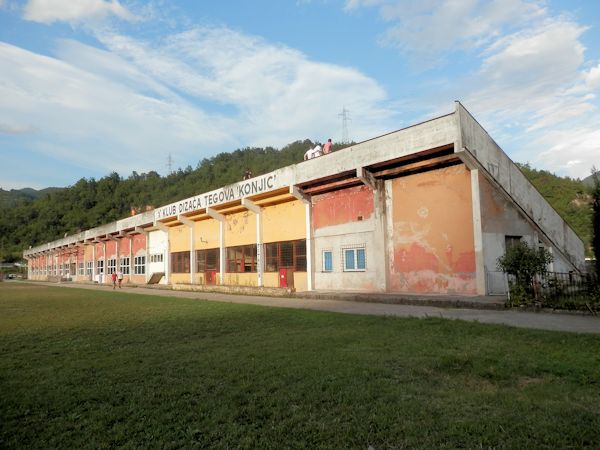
346,219
240,229
431,232
179,238
206,234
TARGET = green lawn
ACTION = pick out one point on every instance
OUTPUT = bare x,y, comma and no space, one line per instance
103,369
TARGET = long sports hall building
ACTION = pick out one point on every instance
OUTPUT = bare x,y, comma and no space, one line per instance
425,209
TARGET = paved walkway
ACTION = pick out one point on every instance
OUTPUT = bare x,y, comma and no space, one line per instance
536,320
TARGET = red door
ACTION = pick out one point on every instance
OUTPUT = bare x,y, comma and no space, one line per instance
286,277
211,277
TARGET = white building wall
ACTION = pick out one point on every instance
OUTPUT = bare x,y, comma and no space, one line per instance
157,245
336,238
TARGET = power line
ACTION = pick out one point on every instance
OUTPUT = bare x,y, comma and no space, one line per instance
170,164
345,115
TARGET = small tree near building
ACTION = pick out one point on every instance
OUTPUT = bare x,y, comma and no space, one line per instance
524,263
596,218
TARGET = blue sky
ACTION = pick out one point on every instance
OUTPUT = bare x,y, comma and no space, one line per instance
88,87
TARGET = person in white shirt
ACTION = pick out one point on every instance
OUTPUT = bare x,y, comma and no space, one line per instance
317,151
313,152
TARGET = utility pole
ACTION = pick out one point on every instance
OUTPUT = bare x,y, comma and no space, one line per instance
345,115
170,164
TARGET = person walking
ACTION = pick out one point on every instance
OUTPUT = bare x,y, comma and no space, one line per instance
114,280
120,277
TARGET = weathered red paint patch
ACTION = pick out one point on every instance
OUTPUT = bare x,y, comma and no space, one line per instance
139,243
344,206
464,263
413,258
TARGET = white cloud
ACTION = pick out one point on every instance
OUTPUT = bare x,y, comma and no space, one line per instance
49,11
525,78
428,30
277,92
592,77
191,94
88,119
570,151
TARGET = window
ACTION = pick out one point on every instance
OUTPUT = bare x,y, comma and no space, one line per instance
180,262
124,265
81,270
100,267
89,268
511,241
112,265
207,260
156,258
287,254
139,265
241,259
327,260
354,259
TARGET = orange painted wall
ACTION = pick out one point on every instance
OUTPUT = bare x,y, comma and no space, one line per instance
343,206
139,243
80,254
99,251
433,245
111,249
284,222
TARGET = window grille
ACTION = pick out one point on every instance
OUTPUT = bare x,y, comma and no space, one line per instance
139,265
354,259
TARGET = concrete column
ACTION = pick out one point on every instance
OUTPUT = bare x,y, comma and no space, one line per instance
105,270
221,218
382,267
309,238
257,210
93,261
131,258
478,234
190,223
141,230
165,229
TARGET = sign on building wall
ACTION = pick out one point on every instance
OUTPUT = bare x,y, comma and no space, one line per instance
257,185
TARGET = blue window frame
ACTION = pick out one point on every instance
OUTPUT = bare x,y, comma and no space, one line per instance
327,261
354,259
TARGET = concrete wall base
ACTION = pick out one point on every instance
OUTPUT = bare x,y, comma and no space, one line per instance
243,290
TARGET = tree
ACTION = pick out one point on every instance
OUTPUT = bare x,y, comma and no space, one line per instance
524,263
596,218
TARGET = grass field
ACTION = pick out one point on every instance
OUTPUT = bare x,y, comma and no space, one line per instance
103,369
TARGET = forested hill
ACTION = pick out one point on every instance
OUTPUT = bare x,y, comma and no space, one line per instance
26,220
14,196
571,198
90,203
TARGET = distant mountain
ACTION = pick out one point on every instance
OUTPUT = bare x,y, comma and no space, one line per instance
589,181
15,196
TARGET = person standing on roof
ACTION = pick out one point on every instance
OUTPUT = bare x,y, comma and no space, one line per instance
327,147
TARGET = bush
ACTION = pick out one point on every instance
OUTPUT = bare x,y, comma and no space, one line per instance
524,263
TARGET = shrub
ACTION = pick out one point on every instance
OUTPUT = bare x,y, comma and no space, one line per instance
524,263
